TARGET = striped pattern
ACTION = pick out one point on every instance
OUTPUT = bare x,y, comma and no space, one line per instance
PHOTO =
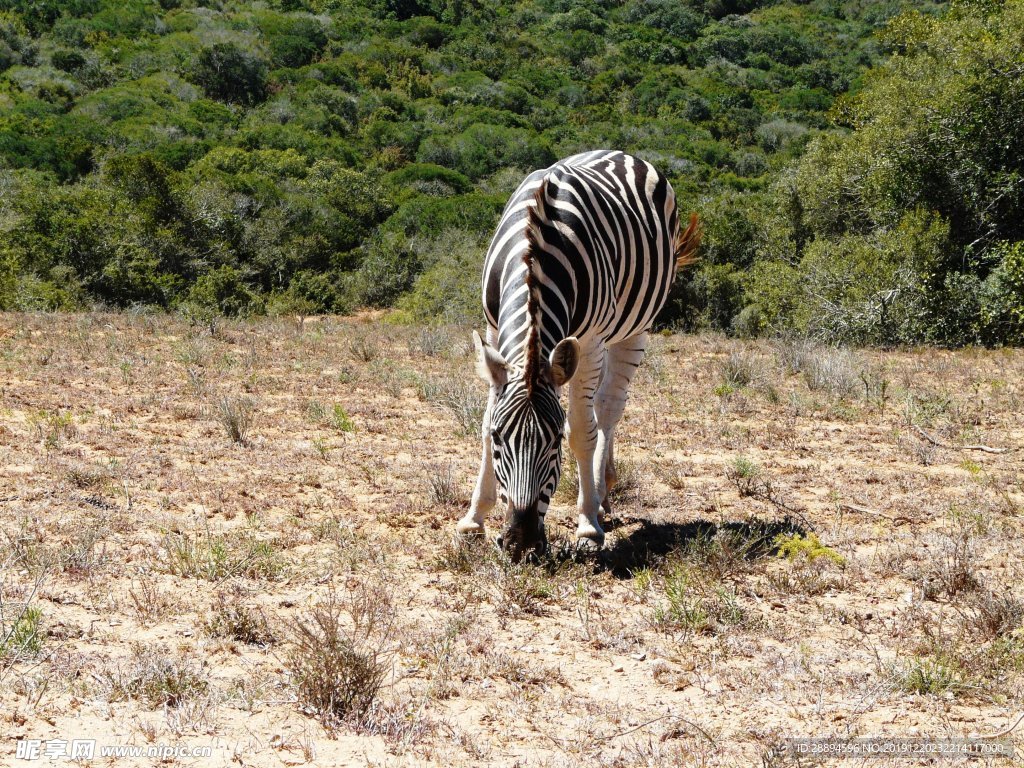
586,250
605,228
526,440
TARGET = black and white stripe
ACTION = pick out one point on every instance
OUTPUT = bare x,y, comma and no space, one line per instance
581,263
608,229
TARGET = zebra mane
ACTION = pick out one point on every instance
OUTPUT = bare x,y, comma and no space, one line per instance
535,219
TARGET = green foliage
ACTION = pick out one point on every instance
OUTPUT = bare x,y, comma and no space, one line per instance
694,604
224,290
15,45
806,548
297,157
23,637
1002,303
911,219
448,289
935,675
230,73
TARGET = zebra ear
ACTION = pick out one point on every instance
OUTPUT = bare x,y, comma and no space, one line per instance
564,359
489,363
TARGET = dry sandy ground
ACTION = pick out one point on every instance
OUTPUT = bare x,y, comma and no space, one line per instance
154,571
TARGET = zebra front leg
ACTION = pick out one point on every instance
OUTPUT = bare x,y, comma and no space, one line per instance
485,493
583,441
622,361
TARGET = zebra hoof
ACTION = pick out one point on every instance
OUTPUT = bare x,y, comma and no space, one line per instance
589,539
469,527
589,546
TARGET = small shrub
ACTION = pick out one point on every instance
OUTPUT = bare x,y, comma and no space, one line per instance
695,606
340,419
681,609
728,552
794,352
433,341
337,662
677,476
321,447
954,571
235,414
231,73
336,418
738,370
444,489
53,427
152,676
749,323
832,371
929,675
811,566
86,478
212,557
795,547
518,589
79,557
998,614
746,475
461,398
149,603
365,347
463,554
234,620
23,637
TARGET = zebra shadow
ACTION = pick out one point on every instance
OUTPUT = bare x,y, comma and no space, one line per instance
648,543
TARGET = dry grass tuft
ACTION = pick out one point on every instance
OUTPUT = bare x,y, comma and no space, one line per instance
337,659
464,398
232,619
235,414
444,489
153,676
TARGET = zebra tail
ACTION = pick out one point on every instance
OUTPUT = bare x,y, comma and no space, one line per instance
688,242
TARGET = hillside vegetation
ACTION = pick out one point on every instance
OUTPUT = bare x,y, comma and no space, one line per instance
858,165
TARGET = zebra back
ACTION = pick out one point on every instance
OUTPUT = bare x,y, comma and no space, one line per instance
588,247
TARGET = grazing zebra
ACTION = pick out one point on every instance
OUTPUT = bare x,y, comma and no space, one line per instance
580,265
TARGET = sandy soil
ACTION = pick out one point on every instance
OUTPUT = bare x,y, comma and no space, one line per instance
154,571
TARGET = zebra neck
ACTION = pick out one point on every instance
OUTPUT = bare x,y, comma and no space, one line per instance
530,330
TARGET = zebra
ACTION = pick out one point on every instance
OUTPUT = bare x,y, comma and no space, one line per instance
580,264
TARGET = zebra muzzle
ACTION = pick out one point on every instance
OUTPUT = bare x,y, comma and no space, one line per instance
523,533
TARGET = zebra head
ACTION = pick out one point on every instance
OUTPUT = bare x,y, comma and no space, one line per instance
525,423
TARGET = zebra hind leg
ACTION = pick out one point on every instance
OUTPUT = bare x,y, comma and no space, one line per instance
610,476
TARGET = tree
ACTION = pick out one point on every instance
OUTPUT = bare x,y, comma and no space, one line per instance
229,73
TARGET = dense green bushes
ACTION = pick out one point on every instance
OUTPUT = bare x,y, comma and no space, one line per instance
908,227
322,155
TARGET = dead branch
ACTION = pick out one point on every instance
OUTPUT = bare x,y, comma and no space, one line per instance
940,444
